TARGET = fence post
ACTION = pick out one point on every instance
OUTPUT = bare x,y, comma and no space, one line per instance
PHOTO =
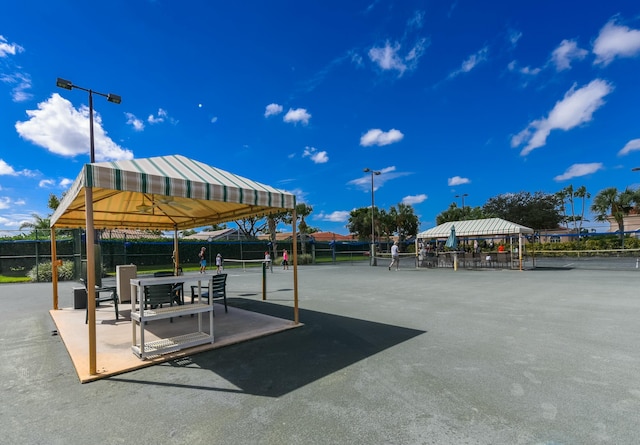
264,280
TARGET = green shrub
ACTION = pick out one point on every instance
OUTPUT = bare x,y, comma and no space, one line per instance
42,272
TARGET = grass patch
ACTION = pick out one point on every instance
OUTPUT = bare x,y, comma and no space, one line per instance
5,279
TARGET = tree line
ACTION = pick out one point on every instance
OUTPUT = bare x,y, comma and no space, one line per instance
539,211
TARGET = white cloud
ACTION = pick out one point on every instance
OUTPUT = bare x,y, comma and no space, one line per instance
5,203
20,82
319,157
46,183
337,216
527,71
457,180
471,62
615,41
65,183
214,119
414,199
61,129
380,138
416,21
297,115
386,174
159,118
576,108
577,170
272,109
136,123
514,36
565,53
632,145
388,57
6,169
7,48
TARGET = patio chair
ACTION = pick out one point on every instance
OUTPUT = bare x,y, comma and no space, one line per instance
178,288
112,295
157,295
219,288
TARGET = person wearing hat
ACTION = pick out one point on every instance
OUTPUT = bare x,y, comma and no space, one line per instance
395,256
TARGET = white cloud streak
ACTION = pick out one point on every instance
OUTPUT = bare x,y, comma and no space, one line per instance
7,48
388,57
6,169
577,170
337,216
471,62
414,199
576,108
386,174
632,145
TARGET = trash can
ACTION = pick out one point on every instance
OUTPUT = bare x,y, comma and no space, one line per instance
124,275
79,298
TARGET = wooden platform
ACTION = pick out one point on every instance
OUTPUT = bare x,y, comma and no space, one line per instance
113,338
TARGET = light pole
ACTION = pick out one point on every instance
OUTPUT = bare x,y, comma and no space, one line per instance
372,251
462,196
90,238
68,85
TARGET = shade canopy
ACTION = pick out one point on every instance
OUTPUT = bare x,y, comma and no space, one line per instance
165,193
475,227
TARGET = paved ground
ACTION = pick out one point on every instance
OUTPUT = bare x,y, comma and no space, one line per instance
385,357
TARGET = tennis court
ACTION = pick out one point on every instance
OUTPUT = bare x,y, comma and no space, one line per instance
437,356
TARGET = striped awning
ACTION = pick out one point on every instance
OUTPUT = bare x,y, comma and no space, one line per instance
475,227
165,193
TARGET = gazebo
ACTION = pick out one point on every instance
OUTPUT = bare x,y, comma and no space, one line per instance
161,193
487,227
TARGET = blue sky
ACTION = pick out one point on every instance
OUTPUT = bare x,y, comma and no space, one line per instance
445,98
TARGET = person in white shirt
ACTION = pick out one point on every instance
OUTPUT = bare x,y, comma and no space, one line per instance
395,256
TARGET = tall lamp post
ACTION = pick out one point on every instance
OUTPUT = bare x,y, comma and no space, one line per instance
462,196
372,251
68,85
90,238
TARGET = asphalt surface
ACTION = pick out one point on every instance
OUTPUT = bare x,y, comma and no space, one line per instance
409,357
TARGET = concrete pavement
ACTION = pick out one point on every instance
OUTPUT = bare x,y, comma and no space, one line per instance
385,357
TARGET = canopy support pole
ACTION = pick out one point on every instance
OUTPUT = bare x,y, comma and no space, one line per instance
176,253
91,278
296,319
54,268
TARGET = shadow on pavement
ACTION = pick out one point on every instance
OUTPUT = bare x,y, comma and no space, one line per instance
278,364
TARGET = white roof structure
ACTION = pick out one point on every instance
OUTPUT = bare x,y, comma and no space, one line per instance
166,193
475,227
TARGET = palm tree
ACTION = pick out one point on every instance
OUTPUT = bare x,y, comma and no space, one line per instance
610,202
302,211
38,223
582,193
570,195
